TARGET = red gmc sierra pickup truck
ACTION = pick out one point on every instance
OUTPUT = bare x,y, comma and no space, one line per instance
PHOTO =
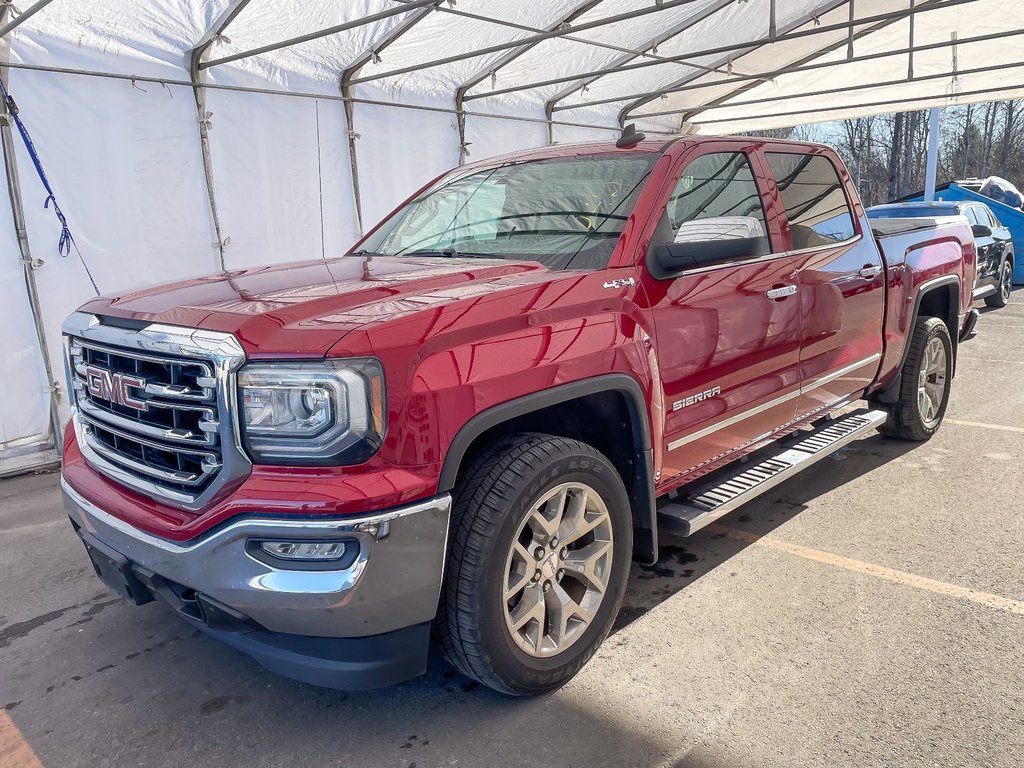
469,425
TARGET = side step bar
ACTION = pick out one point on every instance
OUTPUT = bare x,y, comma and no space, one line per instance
985,290
710,501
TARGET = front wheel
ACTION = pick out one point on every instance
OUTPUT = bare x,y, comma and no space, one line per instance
1002,295
924,388
538,562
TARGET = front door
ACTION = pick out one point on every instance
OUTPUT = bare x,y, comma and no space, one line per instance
841,279
727,334
988,251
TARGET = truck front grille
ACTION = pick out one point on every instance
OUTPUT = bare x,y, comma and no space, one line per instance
153,406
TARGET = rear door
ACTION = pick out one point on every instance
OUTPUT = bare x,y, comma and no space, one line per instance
840,278
727,351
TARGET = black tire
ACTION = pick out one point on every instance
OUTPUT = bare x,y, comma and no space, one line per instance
492,498
906,420
1001,297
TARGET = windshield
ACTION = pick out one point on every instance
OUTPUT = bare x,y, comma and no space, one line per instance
565,212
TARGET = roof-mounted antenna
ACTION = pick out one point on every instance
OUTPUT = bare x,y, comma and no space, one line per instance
630,137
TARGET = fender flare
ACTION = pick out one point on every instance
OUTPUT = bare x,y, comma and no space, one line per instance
642,491
890,392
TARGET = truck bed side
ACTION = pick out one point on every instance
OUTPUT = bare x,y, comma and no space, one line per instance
922,256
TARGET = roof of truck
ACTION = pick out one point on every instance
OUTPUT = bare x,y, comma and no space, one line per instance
659,144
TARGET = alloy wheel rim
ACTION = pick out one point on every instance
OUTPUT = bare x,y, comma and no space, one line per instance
1007,281
931,386
557,569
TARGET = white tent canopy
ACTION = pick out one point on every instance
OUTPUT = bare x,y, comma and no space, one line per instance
182,137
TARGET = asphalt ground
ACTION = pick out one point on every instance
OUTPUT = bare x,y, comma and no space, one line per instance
869,612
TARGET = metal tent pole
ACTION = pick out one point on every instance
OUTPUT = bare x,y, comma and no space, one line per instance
193,60
29,265
348,90
932,168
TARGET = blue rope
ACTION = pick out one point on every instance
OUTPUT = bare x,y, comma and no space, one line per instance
66,241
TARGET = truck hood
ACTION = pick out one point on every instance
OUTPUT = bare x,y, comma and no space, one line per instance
303,309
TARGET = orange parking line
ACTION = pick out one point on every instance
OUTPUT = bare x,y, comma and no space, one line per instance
878,571
14,750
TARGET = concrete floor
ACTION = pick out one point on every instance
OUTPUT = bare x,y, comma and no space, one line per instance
869,613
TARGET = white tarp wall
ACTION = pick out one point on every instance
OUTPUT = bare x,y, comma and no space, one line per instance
106,90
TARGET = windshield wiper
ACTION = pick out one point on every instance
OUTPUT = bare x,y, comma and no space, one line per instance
449,253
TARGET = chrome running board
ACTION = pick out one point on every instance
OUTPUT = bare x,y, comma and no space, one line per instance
706,503
985,290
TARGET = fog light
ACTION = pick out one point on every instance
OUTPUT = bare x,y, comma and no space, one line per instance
305,550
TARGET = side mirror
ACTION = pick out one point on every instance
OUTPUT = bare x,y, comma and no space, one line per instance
672,258
981,230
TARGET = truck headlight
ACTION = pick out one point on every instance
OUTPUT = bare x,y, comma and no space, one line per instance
319,413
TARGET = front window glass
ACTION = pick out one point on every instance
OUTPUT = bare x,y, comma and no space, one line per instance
566,213
716,198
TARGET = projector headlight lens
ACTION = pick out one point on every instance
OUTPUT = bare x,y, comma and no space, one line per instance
324,413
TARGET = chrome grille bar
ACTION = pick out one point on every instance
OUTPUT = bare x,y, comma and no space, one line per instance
209,462
205,383
154,406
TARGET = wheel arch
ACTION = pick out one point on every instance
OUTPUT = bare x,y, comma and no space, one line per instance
556,411
939,298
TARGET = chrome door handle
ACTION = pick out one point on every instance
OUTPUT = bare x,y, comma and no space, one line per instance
781,293
870,272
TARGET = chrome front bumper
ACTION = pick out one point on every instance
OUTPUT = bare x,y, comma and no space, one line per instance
394,581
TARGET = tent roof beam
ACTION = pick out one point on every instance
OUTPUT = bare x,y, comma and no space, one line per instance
550,106
824,65
661,5
326,32
23,17
515,53
393,35
792,28
899,104
792,34
910,13
195,56
849,88
535,30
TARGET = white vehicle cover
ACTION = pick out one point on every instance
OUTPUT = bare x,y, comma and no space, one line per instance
1002,190
108,93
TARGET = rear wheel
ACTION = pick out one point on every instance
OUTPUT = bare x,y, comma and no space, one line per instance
1002,295
924,388
538,561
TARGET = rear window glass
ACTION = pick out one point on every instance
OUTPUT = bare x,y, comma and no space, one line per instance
816,205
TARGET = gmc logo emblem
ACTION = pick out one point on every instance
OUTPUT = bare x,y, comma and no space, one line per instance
113,387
